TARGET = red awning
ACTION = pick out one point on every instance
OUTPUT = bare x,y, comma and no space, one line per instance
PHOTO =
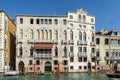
43,46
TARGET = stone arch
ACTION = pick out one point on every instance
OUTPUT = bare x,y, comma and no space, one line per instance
48,66
21,67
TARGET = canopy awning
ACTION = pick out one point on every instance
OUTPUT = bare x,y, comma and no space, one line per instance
43,46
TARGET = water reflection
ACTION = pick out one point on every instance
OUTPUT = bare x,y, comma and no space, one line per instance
66,76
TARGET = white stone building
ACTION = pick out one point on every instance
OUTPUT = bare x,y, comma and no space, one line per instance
46,40
107,49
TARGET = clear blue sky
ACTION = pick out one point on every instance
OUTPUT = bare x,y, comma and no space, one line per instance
107,12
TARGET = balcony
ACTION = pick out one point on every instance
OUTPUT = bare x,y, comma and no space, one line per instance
79,42
85,42
31,41
71,41
107,58
19,41
92,44
82,54
55,41
38,56
64,41
43,41
71,54
98,58
93,55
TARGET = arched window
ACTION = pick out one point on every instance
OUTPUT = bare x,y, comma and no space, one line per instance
65,51
42,34
84,18
79,17
21,33
84,36
56,34
50,34
5,43
20,51
65,34
56,51
31,34
31,51
92,37
38,34
46,33
80,35
71,35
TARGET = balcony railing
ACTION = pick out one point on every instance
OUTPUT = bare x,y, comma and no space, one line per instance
19,41
55,41
93,55
79,42
82,54
31,41
42,56
43,41
71,53
64,41
97,58
71,41
92,43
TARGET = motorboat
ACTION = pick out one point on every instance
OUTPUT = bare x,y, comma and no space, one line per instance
115,74
11,73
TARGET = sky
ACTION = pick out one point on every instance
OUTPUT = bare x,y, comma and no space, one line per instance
106,12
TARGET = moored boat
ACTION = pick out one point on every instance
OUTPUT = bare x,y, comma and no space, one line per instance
11,73
115,74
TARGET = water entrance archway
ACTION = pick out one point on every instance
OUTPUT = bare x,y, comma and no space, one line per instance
89,66
21,67
48,66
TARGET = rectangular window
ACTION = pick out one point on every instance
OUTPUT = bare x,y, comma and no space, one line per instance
92,27
79,49
71,16
80,59
106,41
84,49
50,21
92,50
46,21
97,40
64,21
30,62
80,67
84,26
118,41
97,53
71,48
71,59
92,20
71,67
21,20
80,26
31,21
85,67
37,62
56,22
93,67
37,21
107,54
85,59
30,68
41,21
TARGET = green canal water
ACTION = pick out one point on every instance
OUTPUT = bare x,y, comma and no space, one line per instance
63,76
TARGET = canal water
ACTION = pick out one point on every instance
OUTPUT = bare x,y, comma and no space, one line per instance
63,76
